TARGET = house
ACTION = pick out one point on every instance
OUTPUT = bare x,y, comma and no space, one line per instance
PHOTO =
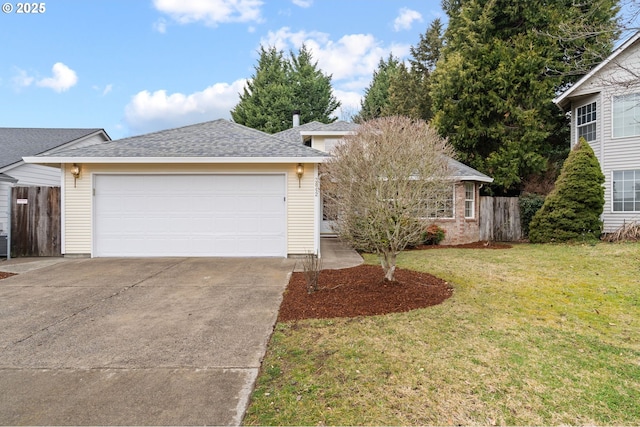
210,189
15,143
216,189
605,110
457,213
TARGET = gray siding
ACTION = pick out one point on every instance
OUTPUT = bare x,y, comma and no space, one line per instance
5,189
613,153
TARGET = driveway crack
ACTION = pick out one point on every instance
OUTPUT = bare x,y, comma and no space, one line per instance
102,300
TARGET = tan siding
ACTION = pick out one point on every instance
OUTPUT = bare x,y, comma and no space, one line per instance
317,142
300,201
301,211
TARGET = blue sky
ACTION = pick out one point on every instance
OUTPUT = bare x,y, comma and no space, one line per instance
136,66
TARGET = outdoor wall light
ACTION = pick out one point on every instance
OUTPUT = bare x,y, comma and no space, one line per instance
299,172
75,171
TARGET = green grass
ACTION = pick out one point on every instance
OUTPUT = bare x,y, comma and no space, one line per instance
536,334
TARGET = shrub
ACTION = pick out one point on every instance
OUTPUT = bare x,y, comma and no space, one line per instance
571,212
530,203
312,266
433,235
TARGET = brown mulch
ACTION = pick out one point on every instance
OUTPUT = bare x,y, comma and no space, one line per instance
4,275
361,291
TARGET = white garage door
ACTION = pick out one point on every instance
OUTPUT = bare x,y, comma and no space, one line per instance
189,215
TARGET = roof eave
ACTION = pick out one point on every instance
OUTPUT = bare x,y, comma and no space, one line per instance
168,160
327,133
473,178
562,100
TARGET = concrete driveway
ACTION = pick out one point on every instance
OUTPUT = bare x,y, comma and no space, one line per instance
166,341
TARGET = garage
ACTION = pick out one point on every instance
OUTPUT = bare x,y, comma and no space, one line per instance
138,215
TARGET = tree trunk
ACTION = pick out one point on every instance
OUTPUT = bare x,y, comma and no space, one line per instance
388,261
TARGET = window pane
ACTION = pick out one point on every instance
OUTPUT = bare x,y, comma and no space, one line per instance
617,206
626,115
628,206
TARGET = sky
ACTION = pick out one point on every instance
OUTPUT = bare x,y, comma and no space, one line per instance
138,66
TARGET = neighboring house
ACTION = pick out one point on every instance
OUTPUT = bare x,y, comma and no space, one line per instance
15,143
210,189
457,213
605,110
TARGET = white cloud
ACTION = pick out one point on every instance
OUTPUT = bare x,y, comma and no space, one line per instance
350,60
349,104
160,25
406,19
104,90
302,3
63,78
210,12
22,79
147,112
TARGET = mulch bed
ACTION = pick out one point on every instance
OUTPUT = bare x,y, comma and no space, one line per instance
4,275
361,291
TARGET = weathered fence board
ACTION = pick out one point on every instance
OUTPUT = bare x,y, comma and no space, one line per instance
500,219
35,221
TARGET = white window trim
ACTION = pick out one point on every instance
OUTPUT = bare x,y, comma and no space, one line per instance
577,127
612,191
453,208
473,200
613,101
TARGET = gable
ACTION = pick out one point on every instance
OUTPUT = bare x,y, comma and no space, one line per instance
618,72
16,143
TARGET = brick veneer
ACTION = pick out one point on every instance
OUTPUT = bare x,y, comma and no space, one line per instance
460,230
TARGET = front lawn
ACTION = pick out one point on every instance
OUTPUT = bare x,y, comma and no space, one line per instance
536,334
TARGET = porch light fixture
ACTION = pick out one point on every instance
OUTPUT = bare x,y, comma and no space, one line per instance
75,171
299,172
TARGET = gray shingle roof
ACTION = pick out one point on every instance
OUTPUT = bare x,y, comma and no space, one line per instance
339,126
467,173
218,138
293,134
16,143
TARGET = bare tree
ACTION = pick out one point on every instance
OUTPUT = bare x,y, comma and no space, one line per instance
379,182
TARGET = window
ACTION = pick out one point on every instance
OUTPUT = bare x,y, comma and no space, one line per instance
469,199
626,191
626,115
586,121
440,205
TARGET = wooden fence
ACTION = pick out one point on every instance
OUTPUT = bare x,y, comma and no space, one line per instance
35,221
500,219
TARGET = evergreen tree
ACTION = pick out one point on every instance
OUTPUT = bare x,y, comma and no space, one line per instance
409,89
281,85
572,210
312,93
493,87
376,96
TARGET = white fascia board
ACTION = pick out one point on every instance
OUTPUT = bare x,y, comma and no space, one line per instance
326,133
187,160
561,100
473,178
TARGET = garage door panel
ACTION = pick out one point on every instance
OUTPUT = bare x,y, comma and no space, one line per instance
189,215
